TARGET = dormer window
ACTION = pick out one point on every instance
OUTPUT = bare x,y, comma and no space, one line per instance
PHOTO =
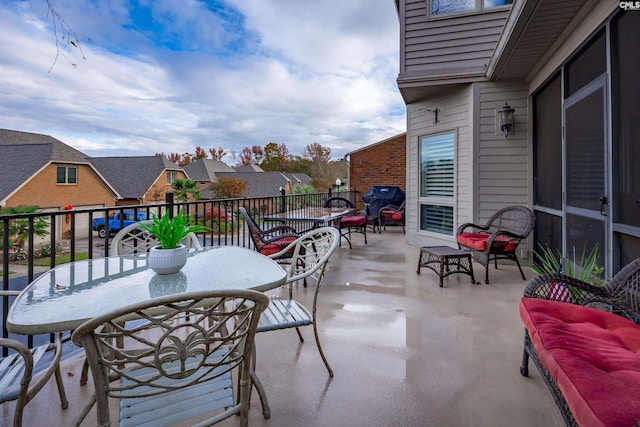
171,177
444,7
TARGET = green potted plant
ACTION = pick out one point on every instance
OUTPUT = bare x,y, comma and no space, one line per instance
170,255
586,267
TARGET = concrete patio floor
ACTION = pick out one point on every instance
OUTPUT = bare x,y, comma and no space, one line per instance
405,352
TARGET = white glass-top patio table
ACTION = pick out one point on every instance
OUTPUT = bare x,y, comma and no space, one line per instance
64,297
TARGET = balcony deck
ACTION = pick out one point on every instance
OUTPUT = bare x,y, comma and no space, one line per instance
404,352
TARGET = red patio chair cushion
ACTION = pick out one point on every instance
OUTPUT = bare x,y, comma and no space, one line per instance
478,241
593,356
353,221
396,217
276,246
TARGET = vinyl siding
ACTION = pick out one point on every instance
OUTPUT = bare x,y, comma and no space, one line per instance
454,115
447,46
503,174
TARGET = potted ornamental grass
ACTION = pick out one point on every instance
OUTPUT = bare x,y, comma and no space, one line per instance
170,255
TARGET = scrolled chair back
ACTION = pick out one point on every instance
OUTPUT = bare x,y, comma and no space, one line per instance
171,344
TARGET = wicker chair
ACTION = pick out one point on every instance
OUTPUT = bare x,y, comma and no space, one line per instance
16,370
391,215
498,238
272,240
179,357
355,222
620,295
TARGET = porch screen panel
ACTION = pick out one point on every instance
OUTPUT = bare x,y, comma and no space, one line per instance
586,65
585,153
582,233
626,118
547,158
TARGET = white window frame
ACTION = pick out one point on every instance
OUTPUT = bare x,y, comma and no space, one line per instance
439,201
66,175
478,7
171,177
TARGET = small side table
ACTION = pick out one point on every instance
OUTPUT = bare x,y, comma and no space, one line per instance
445,260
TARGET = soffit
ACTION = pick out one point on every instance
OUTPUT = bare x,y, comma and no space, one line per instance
530,33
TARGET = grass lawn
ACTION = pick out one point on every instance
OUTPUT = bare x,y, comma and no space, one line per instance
61,259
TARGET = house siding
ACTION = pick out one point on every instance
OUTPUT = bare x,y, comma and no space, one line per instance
459,44
503,175
454,115
491,171
383,163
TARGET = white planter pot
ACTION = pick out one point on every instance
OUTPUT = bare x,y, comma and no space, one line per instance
167,261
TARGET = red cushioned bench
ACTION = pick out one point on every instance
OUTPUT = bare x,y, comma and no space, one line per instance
586,348
591,355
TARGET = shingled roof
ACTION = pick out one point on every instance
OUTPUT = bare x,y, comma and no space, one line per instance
206,169
23,154
261,184
132,176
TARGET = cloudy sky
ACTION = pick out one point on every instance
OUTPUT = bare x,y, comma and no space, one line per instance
170,75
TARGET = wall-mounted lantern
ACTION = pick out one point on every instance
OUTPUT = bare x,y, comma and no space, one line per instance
505,118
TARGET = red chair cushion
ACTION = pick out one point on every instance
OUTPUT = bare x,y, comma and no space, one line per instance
276,246
593,356
387,213
396,217
478,241
353,221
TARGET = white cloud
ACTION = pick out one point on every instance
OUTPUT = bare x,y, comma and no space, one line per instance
285,71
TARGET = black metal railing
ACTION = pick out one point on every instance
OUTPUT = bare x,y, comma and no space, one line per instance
72,232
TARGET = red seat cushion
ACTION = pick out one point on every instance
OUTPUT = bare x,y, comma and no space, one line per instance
276,246
396,217
478,241
353,221
593,356
387,213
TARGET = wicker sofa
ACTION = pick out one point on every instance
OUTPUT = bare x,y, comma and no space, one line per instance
585,341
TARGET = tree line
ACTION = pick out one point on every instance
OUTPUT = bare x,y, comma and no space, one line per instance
315,160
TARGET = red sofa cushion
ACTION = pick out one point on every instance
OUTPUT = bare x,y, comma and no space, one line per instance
478,241
353,221
276,246
593,356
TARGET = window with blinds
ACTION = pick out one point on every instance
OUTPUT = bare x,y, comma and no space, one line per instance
437,182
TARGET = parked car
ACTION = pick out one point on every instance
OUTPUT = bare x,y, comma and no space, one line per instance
117,221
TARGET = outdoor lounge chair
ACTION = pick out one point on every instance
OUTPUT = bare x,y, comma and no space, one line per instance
355,222
498,238
16,370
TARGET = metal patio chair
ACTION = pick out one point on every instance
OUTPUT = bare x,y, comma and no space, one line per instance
311,253
179,358
16,382
355,222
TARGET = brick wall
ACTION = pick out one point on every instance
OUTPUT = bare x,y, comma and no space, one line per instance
43,191
382,163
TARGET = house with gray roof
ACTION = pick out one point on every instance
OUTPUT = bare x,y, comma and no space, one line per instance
39,170
204,171
262,184
139,179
